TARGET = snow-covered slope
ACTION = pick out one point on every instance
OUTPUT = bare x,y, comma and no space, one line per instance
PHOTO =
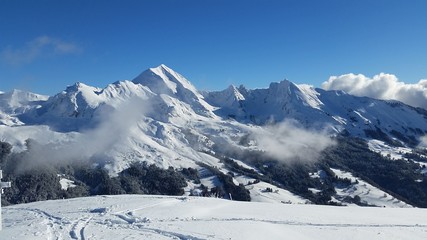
229,99
358,114
156,217
17,102
368,194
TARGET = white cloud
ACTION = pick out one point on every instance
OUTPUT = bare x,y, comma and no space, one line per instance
93,144
36,48
382,86
423,142
287,141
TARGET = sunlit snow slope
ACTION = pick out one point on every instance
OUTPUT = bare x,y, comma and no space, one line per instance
154,217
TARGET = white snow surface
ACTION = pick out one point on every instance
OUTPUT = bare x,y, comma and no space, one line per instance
259,194
17,101
367,193
386,150
161,217
309,95
66,183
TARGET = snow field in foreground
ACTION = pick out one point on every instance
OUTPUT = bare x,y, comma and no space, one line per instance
161,217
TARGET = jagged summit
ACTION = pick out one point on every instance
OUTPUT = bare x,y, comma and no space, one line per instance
77,87
233,90
229,100
164,80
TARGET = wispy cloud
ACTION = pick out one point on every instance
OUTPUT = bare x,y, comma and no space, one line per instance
114,127
36,48
382,86
423,142
288,141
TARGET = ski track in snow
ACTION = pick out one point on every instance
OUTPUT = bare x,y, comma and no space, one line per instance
154,217
79,228
49,220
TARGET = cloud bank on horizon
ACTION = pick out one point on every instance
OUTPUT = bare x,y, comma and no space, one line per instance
381,86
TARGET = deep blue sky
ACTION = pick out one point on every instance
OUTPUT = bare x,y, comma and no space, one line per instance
46,45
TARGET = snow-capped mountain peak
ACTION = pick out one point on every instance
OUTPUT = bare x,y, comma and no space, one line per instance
289,91
163,80
82,93
236,93
228,98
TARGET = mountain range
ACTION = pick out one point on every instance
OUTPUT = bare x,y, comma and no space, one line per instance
161,118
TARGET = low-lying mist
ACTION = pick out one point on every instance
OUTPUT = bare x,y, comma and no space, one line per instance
114,125
423,142
288,141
